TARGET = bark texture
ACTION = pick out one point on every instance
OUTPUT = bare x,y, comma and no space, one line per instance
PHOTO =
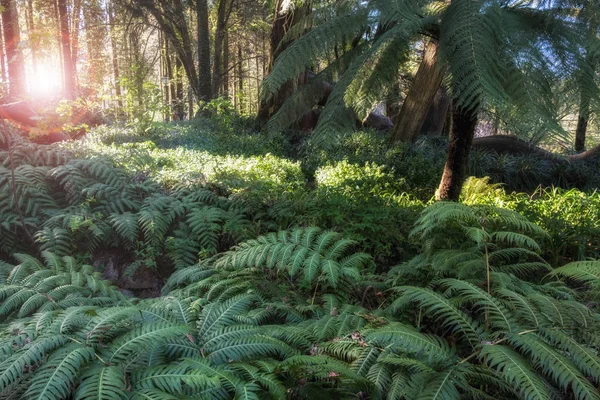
65,42
114,58
14,56
582,123
204,73
426,84
455,170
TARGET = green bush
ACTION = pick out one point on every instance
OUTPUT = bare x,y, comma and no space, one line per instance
352,180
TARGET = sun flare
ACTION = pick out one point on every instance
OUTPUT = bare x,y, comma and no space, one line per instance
46,80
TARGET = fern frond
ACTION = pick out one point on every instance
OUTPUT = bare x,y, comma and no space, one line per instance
516,371
56,377
101,382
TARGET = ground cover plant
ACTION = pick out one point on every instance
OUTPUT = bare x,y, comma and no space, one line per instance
334,283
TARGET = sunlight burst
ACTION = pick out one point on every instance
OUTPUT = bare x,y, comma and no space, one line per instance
46,80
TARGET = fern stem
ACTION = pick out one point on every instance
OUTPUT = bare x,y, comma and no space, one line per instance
464,360
314,294
487,265
95,354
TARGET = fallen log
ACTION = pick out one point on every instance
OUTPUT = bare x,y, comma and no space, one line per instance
514,145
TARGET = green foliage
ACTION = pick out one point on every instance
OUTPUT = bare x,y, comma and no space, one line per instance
492,51
356,181
477,315
84,205
318,257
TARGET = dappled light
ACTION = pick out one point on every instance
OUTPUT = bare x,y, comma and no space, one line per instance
299,200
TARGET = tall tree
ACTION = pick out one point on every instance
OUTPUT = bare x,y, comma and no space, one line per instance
204,72
114,52
170,16
75,22
223,11
14,56
32,34
65,42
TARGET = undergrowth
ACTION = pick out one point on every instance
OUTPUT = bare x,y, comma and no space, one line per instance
324,275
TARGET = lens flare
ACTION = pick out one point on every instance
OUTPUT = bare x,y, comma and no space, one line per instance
45,80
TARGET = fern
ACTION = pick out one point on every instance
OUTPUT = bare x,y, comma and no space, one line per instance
316,256
253,323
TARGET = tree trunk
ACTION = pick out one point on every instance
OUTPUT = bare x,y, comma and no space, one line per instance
75,36
114,57
218,51
282,22
204,80
12,38
179,103
164,73
225,80
3,59
461,139
240,78
582,122
436,116
426,83
65,41
31,31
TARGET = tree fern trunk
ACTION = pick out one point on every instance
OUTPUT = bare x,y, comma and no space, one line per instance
420,97
582,123
437,114
283,20
464,123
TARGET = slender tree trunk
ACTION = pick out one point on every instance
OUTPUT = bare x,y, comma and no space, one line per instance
582,122
204,72
225,80
65,39
59,43
179,105
240,78
170,85
95,35
31,32
12,38
218,51
461,139
3,59
234,83
75,36
115,60
165,73
420,96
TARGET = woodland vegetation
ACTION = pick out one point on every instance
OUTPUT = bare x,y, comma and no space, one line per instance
234,199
